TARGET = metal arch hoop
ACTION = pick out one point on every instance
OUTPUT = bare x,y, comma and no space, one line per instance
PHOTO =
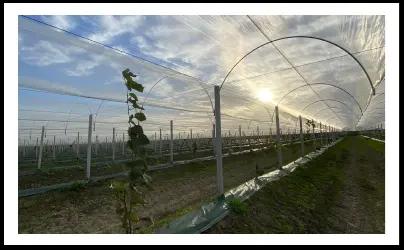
320,83
328,84
165,77
308,37
308,105
148,93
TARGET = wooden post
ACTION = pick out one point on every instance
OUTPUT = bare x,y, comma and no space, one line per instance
218,140
171,142
113,144
301,135
278,138
90,130
41,148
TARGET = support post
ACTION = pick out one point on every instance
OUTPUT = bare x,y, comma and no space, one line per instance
54,147
219,160
171,142
41,148
213,139
113,144
96,144
161,145
36,149
239,134
78,145
321,134
90,131
155,142
23,149
278,138
301,135
123,144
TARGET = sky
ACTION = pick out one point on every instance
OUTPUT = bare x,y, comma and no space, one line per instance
63,77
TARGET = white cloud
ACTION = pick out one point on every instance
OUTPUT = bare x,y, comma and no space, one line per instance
45,53
63,22
113,26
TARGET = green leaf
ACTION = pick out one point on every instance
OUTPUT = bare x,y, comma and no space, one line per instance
133,96
140,116
135,131
137,106
142,140
134,85
134,103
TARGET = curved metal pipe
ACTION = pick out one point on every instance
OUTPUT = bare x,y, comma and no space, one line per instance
320,83
308,37
334,100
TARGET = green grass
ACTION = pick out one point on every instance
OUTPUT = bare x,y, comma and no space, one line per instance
315,198
237,206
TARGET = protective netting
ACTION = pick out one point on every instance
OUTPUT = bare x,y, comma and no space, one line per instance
327,69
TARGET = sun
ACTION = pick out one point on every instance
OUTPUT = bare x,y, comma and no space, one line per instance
264,95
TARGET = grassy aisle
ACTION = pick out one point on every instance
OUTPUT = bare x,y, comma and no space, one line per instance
342,191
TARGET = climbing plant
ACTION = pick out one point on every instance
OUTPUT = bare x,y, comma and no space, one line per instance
129,193
310,124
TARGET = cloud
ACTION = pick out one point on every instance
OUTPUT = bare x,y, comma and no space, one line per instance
113,26
60,21
45,53
207,47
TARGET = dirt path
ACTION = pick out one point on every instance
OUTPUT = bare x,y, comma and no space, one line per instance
175,191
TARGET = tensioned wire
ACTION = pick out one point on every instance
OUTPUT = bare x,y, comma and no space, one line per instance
284,69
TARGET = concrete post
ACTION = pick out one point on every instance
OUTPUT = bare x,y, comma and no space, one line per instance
161,145
90,133
278,138
218,140
155,142
213,139
36,149
240,139
78,145
96,144
171,142
301,135
123,144
321,134
54,147
41,148
113,144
